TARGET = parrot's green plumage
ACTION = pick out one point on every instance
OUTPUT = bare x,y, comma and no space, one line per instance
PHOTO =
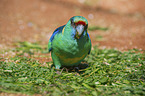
70,43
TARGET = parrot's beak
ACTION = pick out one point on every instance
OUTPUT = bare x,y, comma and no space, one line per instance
79,30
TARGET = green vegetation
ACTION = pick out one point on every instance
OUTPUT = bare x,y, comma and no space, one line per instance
93,28
109,72
99,38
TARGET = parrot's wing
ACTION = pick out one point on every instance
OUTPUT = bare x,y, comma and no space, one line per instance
90,43
57,31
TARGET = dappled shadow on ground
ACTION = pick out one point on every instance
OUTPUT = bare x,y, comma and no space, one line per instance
78,69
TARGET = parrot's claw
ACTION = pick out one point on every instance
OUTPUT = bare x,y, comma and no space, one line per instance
63,69
60,71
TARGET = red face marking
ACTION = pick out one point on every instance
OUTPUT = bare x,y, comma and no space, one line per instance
80,22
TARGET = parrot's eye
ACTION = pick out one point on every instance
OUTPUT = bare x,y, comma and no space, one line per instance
72,23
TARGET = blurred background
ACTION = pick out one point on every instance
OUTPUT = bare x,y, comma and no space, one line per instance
112,23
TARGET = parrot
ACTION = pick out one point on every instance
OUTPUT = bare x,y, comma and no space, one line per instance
70,43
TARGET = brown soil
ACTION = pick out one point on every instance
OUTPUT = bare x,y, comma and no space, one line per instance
35,20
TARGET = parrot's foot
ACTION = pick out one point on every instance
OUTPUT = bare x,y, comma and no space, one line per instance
59,71
63,69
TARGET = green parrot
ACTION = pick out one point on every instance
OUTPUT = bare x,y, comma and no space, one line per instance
70,43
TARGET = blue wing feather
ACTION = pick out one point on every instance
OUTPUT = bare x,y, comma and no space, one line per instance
90,47
57,31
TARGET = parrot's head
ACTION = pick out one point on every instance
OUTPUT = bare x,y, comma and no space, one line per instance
80,25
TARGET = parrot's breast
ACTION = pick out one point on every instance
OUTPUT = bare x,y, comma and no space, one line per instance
70,51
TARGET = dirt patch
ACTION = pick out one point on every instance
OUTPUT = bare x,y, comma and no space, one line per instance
35,20
18,94
134,7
